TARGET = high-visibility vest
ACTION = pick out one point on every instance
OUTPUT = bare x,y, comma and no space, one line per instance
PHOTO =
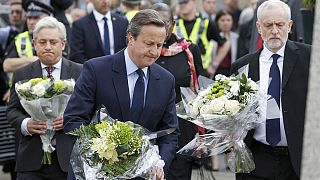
199,32
131,14
23,44
23,47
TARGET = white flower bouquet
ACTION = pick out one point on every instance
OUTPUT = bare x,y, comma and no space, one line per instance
111,149
228,107
45,99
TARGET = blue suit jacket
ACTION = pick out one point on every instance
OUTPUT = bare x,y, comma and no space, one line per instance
104,81
86,41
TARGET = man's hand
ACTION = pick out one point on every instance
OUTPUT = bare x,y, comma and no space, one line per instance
58,124
6,96
159,173
36,127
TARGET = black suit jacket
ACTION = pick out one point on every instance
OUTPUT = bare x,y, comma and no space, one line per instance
293,95
30,147
86,40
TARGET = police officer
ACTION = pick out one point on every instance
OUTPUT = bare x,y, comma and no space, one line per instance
21,52
191,26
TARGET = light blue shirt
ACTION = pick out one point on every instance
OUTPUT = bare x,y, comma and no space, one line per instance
132,76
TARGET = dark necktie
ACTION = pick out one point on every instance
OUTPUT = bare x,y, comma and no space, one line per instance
49,70
106,37
273,134
138,97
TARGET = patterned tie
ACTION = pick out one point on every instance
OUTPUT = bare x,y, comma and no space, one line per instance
49,70
106,37
273,135
138,97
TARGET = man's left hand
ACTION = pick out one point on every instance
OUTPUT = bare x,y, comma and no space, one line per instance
159,173
58,123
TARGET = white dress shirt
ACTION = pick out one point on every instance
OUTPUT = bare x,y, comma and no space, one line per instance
100,22
265,61
133,76
56,75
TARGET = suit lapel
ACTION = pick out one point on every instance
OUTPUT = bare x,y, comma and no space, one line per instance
96,32
120,82
254,69
36,70
150,94
116,28
65,69
289,61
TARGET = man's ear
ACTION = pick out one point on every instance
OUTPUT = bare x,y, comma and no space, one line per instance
258,25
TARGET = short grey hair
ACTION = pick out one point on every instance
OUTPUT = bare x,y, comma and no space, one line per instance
271,4
142,18
50,22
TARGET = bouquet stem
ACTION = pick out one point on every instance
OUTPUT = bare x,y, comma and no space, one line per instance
46,158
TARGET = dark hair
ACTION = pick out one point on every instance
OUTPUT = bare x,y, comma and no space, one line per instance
223,12
142,18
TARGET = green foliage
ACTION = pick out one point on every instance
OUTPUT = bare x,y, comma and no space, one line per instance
310,4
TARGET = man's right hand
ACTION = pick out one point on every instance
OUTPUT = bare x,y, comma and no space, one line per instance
36,127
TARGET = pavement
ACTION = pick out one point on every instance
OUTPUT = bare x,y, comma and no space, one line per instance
219,175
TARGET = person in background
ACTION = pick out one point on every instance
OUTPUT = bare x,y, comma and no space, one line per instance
131,7
49,38
182,59
282,68
209,9
201,31
98,33
224,20
232,6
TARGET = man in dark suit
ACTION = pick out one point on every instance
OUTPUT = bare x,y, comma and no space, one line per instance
49,41
130,85
97,34
276,143
296,33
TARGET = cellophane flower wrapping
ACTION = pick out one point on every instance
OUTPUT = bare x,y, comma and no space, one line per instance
45,99
111,149
228,107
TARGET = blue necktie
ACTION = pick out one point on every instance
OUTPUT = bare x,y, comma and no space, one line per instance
138,97
106,37
273,135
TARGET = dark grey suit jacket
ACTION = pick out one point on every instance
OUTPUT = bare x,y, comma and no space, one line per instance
30,152
293,96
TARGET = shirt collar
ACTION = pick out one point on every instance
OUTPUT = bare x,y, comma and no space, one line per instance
99,17
130,66
57,65
267,53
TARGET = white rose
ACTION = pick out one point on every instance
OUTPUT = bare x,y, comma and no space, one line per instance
220,77
38,90
253,85
24,87
217,105
232,106
235,89
195,106
223,98
206,109
70,84
204,92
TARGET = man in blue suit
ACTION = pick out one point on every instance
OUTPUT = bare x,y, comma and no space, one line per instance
97,34
114,81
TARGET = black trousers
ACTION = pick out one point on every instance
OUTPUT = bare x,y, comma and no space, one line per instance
271,164
47,172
